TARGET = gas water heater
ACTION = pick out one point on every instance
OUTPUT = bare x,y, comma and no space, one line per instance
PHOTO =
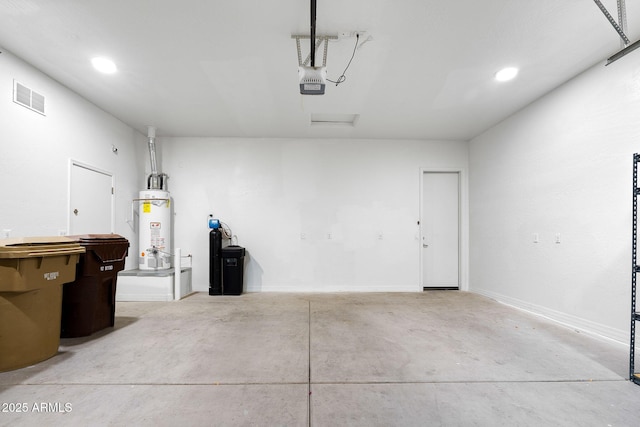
155,230
154,223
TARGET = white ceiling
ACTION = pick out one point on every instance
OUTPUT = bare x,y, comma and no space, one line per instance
229,68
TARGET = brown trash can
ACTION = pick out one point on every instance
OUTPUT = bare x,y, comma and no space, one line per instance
32,272
89,303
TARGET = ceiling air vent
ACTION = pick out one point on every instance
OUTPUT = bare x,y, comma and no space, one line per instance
334,119
28,98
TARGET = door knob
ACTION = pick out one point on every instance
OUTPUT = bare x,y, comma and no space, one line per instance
75,212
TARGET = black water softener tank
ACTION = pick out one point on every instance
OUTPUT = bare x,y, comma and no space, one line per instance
215,262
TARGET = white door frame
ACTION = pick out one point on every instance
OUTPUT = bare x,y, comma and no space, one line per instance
463,225
83,165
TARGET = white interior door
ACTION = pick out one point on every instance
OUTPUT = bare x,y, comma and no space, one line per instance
90,200
440,229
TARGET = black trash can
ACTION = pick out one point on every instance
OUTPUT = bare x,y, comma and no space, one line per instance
89,303
232,270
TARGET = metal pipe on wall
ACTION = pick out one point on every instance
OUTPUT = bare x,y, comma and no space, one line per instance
313,33
151,135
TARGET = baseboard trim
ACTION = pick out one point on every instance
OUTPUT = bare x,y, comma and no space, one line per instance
583,325
321,289
331,288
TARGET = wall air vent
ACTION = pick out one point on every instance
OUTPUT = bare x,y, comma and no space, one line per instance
28,98
334,119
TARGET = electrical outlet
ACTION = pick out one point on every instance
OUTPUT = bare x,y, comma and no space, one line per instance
62,232
557,237
380,235
329,236
6,232
536,238
303,236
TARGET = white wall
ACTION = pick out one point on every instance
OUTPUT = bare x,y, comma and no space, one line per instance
271,191
35,152
560,166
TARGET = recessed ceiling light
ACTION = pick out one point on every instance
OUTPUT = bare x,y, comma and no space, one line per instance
104,65
506,74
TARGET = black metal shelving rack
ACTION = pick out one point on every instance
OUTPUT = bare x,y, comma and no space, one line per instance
635,316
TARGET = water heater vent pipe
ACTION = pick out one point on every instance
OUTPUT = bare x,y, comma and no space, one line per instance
156,181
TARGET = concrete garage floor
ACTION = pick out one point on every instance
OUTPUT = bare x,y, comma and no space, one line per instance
439,358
